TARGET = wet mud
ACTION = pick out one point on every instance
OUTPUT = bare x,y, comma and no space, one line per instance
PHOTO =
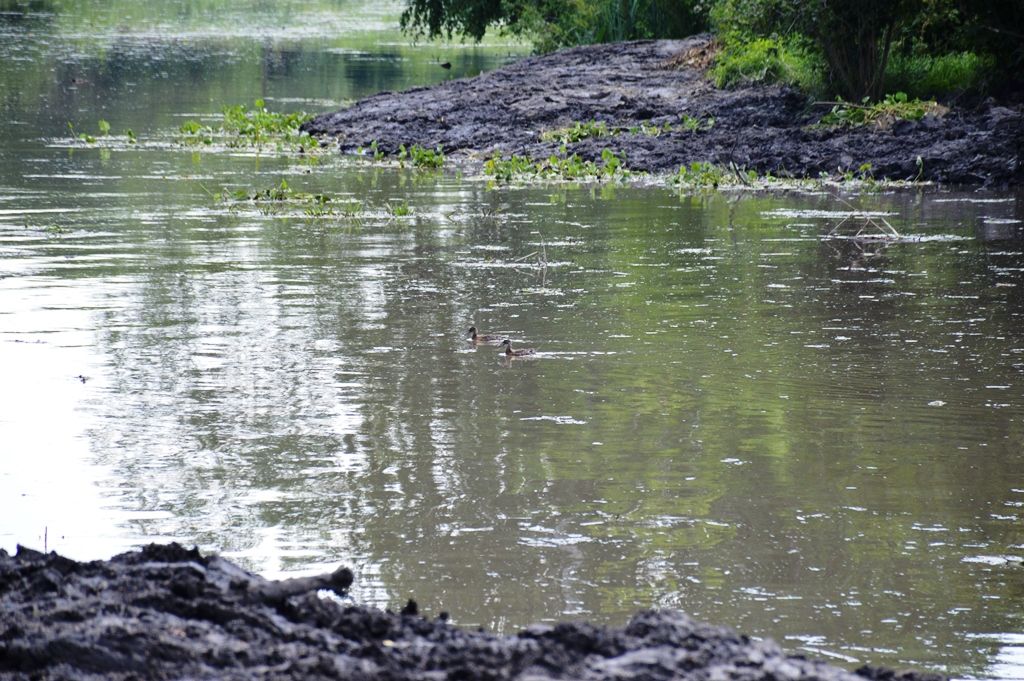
768,129
166,612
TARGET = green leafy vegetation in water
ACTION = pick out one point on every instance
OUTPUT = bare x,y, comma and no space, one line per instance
418,156
85,137
276,198
894,107
256,127
283,199
557,168
399,209
701,174
421,157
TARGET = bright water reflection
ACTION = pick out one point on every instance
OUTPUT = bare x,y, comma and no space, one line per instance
807,439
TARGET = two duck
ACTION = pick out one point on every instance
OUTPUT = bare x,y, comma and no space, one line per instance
475,337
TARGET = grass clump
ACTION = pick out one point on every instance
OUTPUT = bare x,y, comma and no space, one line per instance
894,107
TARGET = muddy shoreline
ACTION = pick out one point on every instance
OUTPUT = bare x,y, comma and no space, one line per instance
765,128
167,612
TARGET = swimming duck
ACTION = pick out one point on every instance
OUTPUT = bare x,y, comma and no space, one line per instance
481,338
509,352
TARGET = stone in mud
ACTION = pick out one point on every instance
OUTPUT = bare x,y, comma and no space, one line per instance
168,612
762,128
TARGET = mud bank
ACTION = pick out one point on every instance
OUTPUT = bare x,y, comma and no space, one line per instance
167,612
764,128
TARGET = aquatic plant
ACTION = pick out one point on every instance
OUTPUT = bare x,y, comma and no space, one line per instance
555,167
893,108
421,157
399,209
506,169
88,139
193,132
700,174
272,199
257,127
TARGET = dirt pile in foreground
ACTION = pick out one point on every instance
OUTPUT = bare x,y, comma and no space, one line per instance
763,128
167,612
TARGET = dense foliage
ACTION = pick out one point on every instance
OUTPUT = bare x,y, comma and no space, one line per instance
851,48
558,23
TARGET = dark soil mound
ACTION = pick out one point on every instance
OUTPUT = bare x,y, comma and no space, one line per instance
167,612
764,128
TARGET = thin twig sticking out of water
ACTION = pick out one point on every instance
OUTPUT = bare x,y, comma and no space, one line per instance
542,255
884,230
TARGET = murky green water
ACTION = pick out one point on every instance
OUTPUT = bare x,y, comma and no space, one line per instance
803,438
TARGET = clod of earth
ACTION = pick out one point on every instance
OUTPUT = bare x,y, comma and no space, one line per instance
768,129
167,612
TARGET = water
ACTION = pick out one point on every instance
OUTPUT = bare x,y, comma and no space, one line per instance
814,440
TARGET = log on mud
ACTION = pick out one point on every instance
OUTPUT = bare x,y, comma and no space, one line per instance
168,612
765,128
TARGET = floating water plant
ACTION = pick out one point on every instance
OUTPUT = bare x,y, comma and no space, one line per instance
555,167
399,209
88,139
257,127
421,157
700,174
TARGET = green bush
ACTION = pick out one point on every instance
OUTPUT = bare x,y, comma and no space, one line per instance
768,60
926,76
